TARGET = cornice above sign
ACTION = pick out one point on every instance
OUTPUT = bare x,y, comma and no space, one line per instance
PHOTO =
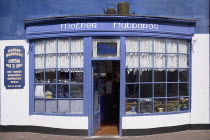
110,27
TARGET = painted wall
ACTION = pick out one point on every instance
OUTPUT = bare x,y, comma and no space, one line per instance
12,12
15,103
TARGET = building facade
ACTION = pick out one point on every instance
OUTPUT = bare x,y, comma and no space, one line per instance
144,73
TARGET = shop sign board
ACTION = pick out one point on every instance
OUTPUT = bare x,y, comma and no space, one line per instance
107,48
14,67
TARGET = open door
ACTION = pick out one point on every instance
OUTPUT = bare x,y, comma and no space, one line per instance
96,97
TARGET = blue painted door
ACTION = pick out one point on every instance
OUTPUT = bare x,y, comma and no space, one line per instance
96,97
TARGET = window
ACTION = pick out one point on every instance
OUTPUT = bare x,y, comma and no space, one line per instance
157,75
58,76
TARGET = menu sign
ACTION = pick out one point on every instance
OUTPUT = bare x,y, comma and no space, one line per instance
14,67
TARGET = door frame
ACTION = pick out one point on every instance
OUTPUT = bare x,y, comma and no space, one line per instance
121,59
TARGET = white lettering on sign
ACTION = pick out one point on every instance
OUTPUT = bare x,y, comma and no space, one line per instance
78,26
136,26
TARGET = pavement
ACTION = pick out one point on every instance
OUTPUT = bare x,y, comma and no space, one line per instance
184,135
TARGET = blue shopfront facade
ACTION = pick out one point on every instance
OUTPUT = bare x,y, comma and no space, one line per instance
67,55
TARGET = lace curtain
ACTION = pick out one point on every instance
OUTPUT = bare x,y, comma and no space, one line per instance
139,53
70,53
94,45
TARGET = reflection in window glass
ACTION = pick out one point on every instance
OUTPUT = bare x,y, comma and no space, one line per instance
146,75
76,75
132,75
159,75
50,75
39,76
145,90
50,91
172,104
160,105
172,75
132,91
183,75
76,91
183,89
132,106
146,105
63,76
63,91
172,89
159,90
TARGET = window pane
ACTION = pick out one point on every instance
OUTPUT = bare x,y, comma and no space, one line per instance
50,91
132,60
159,75
146,60
183,103
146,75
132,75
50,76
63,60
159,90
172,61
63,46
51,106
145,44
76,106
145,90
51,46
132,91
172,90
77,60
183,61
183,89
63,76
39,47
76,91
132,45
159,60
146,105
77,45
172,104
63,106
183,75
183,46
159,45
39,106
63,91
171,46
160,105
39,61
77,75
172,75
39,76
51,61
132,106
39,90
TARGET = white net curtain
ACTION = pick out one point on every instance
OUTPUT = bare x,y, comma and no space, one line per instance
139,53
69,53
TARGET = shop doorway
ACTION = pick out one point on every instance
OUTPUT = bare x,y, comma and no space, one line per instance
106,97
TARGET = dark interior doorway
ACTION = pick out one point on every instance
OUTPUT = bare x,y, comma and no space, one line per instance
107,80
